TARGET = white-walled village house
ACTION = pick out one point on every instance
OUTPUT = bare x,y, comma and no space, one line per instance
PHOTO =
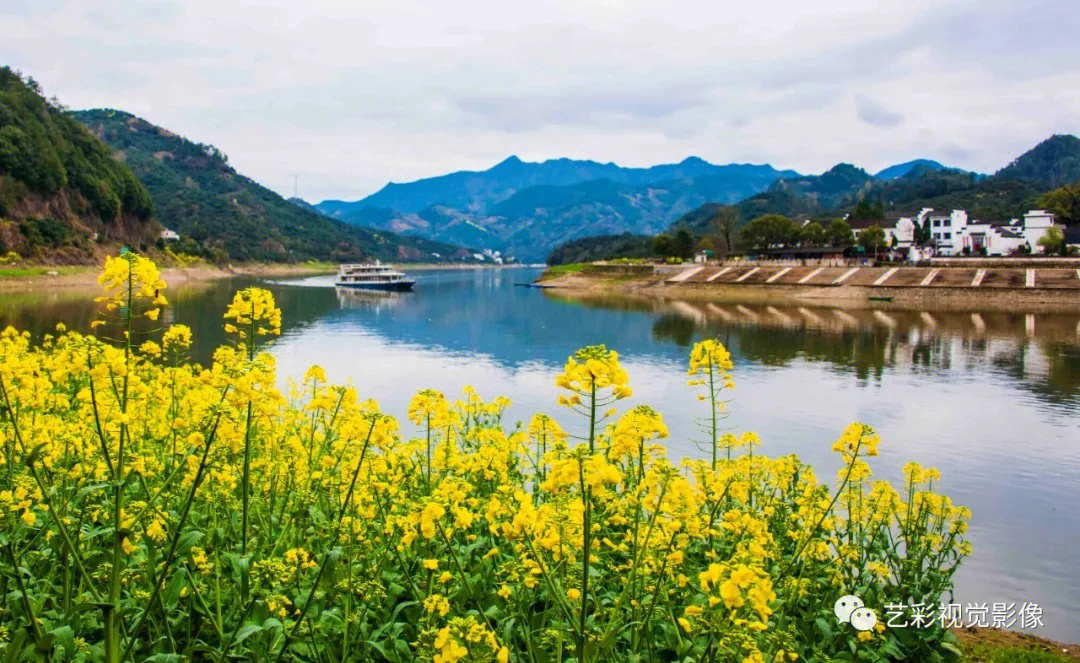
953,232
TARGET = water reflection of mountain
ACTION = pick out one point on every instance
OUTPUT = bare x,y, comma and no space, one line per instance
198,305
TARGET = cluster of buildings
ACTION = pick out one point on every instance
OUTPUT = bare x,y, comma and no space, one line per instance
493,256
954,234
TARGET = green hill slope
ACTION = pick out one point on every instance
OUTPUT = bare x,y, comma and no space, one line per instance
226,215
60,186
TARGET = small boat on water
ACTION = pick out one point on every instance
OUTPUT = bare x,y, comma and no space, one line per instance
377,276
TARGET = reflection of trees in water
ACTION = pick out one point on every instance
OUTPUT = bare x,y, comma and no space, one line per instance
199,306
1051,371
865,343
675,328
475,313
865,354
1064,374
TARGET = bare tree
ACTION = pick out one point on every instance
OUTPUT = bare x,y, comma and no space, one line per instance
724,225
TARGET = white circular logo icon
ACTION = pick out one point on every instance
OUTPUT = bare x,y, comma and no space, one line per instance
863,619
845,606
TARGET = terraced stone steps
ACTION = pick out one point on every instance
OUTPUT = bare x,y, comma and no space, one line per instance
983,278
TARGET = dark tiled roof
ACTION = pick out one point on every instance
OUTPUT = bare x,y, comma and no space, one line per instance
859,224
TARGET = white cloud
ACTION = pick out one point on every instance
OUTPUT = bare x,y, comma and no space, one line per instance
350,95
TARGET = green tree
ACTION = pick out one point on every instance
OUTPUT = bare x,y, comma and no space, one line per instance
872,238
922,232
866,209
46,150
663,245
838,233
1064,202
683,245
1053,241
771,230
812,234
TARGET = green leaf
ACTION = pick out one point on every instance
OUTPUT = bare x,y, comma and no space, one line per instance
952,649
172,590
246,632
65,636
824,627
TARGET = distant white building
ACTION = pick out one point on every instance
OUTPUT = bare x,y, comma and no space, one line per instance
1004,240
167,234
1037,223
901,234
956,234
946,231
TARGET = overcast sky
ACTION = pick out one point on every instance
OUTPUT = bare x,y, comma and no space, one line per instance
349,95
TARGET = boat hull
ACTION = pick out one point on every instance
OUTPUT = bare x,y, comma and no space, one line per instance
403,285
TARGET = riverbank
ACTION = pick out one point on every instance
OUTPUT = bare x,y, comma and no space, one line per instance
990,645
922,288
34,277
15,278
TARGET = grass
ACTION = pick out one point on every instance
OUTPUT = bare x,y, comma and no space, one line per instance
991,645
561,270
42,270
981,653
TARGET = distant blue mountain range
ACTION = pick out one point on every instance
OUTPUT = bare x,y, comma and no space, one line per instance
526,208
901,169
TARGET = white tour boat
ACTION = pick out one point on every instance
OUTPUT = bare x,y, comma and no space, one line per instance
375,276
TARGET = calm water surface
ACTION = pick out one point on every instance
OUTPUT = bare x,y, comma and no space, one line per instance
990,399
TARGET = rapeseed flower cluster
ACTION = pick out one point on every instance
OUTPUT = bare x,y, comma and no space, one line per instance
157,509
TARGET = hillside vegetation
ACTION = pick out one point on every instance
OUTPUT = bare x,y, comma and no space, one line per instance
59,185
222,214
1006,194
600,247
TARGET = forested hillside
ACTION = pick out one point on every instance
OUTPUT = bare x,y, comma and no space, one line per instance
222,214
62,193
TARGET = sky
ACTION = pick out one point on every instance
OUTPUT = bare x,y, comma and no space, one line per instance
338,98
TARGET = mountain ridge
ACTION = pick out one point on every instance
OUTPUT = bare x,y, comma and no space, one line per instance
900,169
1006,194
521,174
224,215
524,208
